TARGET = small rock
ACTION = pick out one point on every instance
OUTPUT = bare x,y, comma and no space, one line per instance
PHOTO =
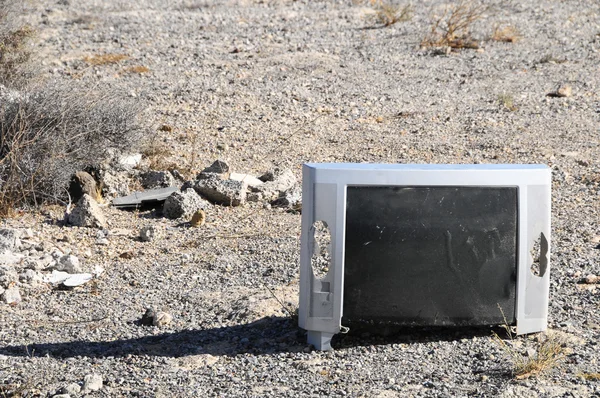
183,204
102,242
82,183
219,168
592,279
276,183
153,317
69,263
61,396
92,382
9,240
198,219
291,199
11,295
147,233
564,90
72,389
117,184
158,179
226,192
130,160
250,180
8,275
30,276
87,214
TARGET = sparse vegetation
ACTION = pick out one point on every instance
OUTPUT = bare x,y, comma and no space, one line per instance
453,27
388,13
105,59
548,353
53,132
505,34
507,102
139,69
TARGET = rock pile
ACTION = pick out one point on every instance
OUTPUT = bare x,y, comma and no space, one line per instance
26,264
216,184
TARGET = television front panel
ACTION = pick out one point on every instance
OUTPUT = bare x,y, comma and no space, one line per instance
425,245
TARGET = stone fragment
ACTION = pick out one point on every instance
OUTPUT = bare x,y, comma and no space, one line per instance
154,317
82,183
276,183
69,263
87,214
11,295
30,276
8,276
158,179
226,192
62,396
9,258
9,240
183,204
116,184
290,199
92,382
219,169
198,218
561,91
592,279
250,180
72,389
147,233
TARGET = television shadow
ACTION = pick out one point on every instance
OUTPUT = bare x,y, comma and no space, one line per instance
265,336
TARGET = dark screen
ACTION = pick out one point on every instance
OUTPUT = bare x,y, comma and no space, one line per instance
430,255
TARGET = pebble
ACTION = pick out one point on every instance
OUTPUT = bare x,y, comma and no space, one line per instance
198,218
11,295
92,382
148,233
72,389
70,264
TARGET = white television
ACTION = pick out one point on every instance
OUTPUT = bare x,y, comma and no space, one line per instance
424,245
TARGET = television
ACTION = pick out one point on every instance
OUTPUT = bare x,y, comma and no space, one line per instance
424,245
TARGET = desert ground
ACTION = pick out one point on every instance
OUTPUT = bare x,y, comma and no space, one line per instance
265,84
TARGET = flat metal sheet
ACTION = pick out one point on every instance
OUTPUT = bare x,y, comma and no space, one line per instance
430,255
140,198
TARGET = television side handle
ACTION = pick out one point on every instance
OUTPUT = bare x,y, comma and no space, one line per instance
320,306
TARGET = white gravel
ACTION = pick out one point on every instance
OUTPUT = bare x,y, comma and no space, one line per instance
277,83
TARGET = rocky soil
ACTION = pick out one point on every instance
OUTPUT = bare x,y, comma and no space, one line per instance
266,84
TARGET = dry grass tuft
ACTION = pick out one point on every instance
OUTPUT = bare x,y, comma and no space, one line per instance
590,376
105,59
387,13
507,102
506,34
548,353
137,69
453,27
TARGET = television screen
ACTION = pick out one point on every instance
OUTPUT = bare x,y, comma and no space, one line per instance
424,245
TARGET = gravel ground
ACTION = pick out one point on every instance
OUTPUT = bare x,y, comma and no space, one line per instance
278,83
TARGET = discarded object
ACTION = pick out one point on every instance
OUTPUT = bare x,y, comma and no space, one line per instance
68,280
250,180
152,196
467,233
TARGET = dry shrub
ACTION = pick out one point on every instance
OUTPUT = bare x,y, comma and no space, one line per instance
388,13
105,59
453,27
505,34
49,134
